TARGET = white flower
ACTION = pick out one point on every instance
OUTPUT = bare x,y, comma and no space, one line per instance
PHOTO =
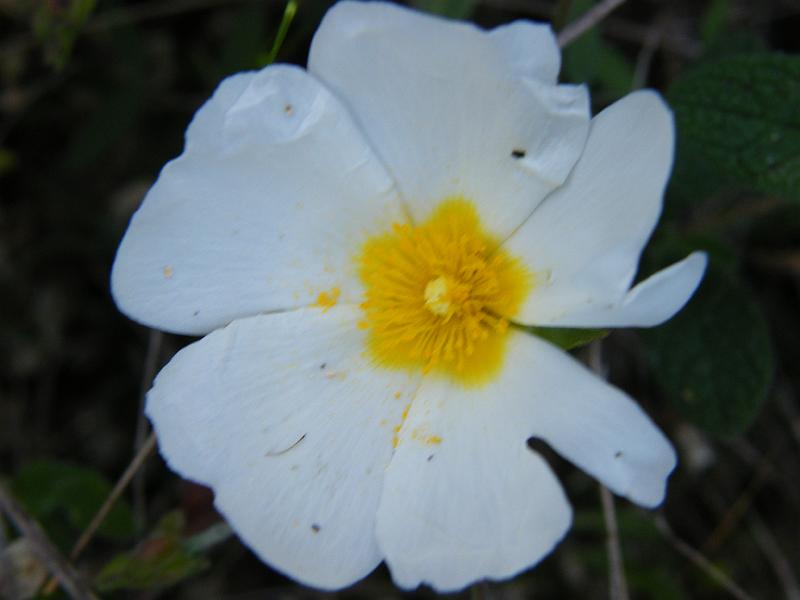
356,242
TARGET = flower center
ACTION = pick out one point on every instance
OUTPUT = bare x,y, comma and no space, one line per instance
443,296
439,295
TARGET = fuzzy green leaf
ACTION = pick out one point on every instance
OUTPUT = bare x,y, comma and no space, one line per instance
738,118
714,359
54,492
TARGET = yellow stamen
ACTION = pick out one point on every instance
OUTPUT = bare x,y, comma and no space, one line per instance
439,295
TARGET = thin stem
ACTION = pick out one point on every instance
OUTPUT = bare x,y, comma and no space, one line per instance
122,483
700,561
645,58
154,342
618,586
283,29
44,549
591,18
480,591
776,558
561,14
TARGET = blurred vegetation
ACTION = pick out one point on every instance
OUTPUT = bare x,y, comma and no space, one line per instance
94,99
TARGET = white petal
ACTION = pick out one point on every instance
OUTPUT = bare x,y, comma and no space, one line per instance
293,429
464,499
265,209
476,503
446,106
649,303
589,422
584,241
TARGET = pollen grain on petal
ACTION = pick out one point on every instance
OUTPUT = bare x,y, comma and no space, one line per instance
326,300
439,295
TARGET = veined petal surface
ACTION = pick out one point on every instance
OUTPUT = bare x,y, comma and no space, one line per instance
584,241
648,303
453,110
593,424
465,499
264,210
293,429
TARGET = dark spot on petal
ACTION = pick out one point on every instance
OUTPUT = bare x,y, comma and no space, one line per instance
430,457
518,153
618,454
323,365
288,109
315,528
195,313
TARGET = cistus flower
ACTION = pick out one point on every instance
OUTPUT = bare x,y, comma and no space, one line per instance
359,243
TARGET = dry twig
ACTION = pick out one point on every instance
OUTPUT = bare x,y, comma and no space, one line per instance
618,586
775,556
700,561
44,549
151,362
577,28
101,515
122,483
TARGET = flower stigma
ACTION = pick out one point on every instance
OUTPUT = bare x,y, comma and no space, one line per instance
439,295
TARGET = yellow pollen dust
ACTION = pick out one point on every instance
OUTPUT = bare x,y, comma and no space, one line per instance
326,300
439,295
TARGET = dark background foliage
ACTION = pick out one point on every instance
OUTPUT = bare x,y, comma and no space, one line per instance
94,98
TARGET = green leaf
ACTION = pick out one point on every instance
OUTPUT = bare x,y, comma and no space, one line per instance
737,120
715,20
566,338
714,359
454,9
57,26
54,491
162,560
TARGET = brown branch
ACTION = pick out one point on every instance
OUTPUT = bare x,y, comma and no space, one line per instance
101,515
700,561
151,362
618,586
44,549
623,30
122,483
775,556
592,17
